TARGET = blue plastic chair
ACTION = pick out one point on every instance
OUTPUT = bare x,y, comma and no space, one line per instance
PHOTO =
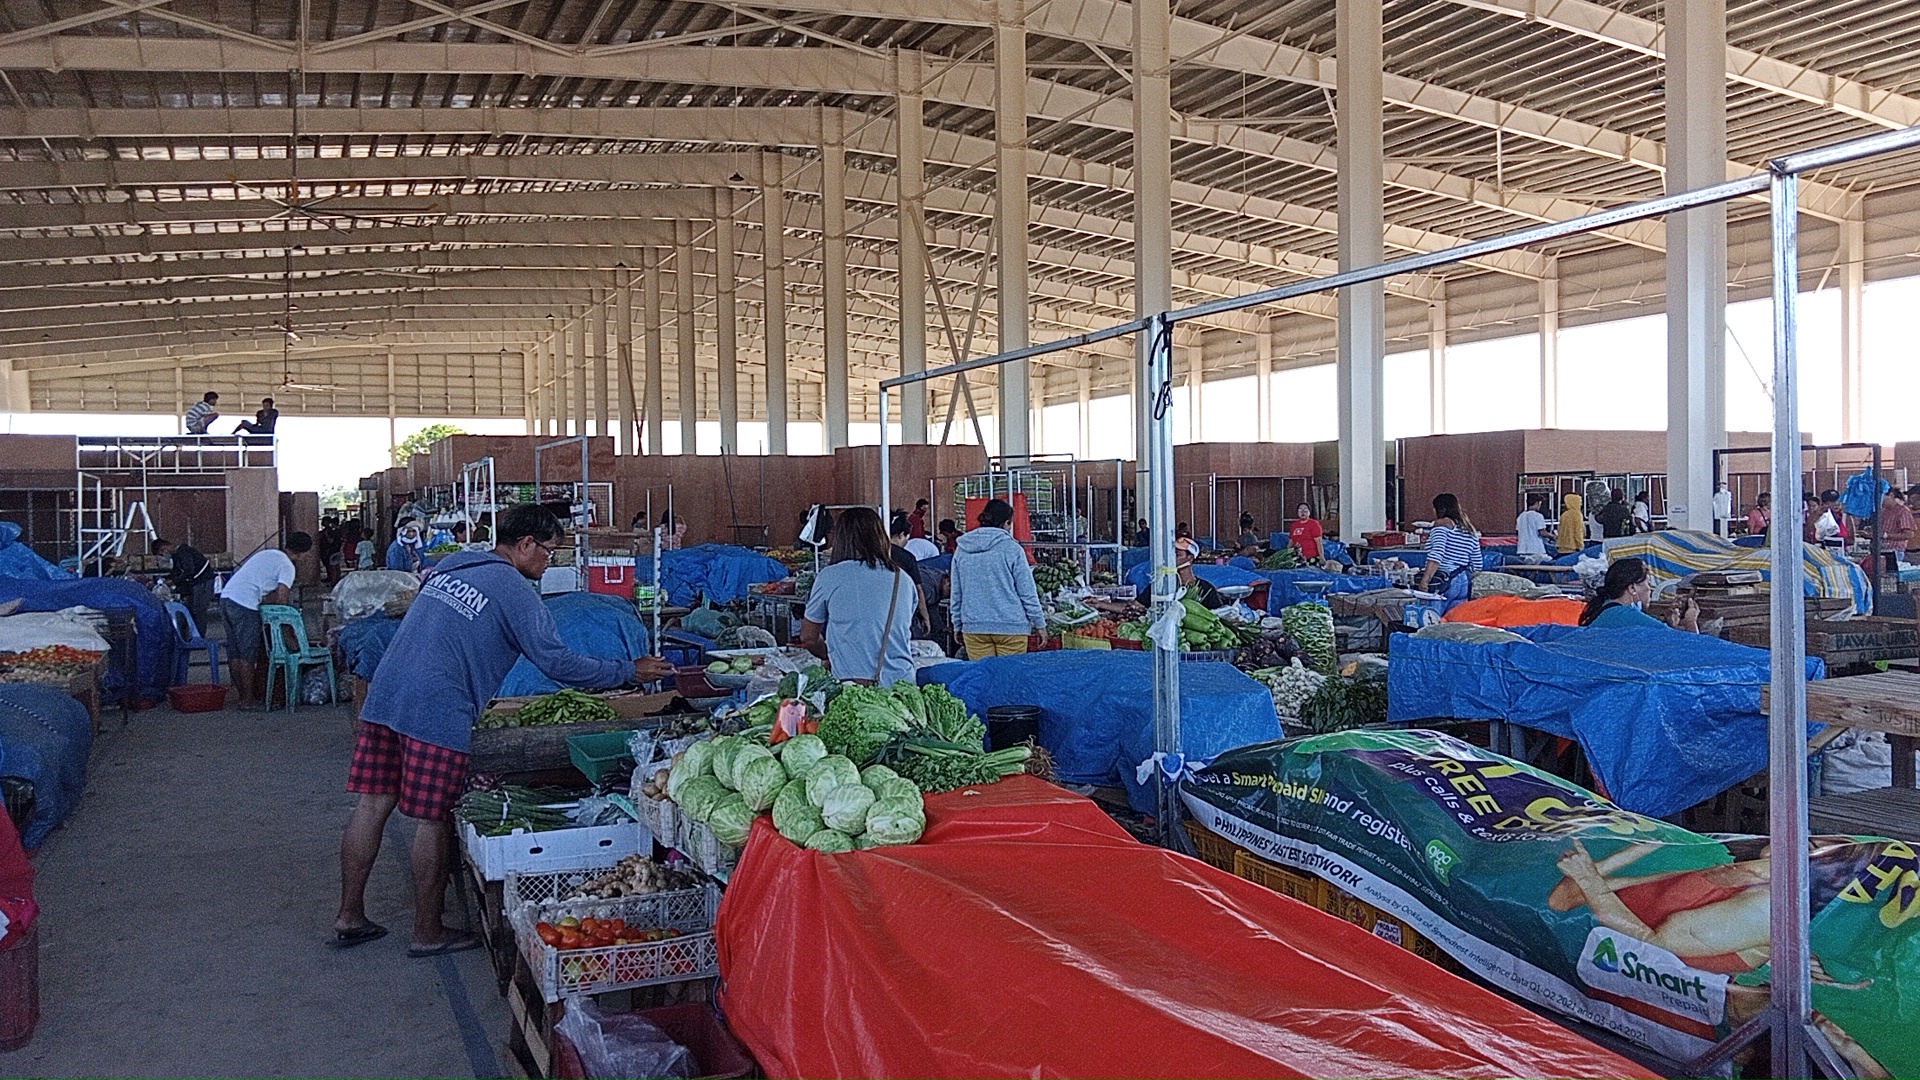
190,641
288,652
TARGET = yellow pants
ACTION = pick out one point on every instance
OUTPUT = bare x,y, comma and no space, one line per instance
981,646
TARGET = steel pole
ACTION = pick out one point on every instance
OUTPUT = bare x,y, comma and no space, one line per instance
1157,399
1787,701
886,462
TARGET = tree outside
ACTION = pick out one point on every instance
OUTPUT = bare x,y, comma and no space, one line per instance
418,442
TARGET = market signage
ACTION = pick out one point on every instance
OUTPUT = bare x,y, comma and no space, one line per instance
1555,894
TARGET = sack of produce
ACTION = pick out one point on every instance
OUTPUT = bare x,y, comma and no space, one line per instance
1557,896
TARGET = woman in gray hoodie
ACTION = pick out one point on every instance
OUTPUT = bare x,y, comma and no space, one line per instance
994,604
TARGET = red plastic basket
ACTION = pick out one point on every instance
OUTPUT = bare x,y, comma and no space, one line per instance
200,697
717,1055
20,990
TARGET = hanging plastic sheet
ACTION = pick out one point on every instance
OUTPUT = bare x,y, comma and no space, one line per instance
1027,935
1673,554
719,572
1665,718
592,624
1096,709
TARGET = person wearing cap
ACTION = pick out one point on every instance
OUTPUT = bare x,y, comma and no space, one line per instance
994,604
1185,551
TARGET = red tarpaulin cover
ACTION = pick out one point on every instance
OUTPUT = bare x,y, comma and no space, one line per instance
1028,935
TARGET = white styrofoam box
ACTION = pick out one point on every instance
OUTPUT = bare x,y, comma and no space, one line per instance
554,849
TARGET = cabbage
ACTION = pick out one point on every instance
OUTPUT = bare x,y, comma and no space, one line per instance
873,774
864,841
831,841
695,761
748,753
790,800
801,752
801,824
761,778
724,747
846,808
698,795
898,788
828,773
889,823
731,820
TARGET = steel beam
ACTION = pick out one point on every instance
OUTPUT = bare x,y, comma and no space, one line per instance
1152,198
911,211
726,283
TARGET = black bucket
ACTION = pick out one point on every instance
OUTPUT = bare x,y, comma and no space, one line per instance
1011,725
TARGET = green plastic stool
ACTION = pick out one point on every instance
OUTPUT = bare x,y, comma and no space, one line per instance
288,652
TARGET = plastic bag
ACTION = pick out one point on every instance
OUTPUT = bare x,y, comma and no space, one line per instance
623,1046
313,687
365,592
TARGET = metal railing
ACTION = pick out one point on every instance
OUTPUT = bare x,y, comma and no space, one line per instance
173,454
1796,1044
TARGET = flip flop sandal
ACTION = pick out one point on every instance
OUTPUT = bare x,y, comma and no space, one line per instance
359,935
445,948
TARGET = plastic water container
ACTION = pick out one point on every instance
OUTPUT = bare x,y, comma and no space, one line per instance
1011,725
20,989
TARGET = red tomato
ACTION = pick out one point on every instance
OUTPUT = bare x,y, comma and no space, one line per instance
548,932
570,939
589,924
618,925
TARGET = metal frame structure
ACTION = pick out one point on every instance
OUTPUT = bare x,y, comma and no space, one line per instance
576,523
1213,483
476,478
1798,1047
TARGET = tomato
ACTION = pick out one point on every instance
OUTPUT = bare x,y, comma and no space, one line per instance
548,932
589,924
601,938
570,939
618,925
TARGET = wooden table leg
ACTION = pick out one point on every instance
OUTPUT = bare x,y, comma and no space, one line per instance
1903,746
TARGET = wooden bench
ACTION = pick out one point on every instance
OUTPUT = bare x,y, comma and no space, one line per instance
1887,702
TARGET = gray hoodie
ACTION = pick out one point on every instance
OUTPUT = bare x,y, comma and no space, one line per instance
993,589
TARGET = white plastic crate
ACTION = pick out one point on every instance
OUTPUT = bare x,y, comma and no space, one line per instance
571,972
553,849
661,818
705,850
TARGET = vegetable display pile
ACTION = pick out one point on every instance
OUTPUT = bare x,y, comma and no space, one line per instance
1099,630
1271,649
636,875
563,707
1292,686
1202,631
923,733
1311,627
1345,702
590,933
53,656
502,810
1286,558
732,665
1052,575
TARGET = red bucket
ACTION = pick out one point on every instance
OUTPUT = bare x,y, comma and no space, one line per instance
20,990
200,697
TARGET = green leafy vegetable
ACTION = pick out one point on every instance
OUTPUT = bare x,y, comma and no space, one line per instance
761,779
828,773
730,820
872,775
698,796
800,753
861,720
831,841
845,808
896,821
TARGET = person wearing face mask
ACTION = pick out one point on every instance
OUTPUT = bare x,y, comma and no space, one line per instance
1616,605
408,550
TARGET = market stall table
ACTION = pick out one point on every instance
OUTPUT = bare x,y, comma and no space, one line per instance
1887,702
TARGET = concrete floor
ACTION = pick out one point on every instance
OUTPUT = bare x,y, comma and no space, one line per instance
185,906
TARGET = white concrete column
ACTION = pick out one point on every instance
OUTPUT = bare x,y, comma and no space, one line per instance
540,395
1010,212
726,274
773,262
623,356
1550,345
393,412
1696,258
179,395
686,338
1196,416
833,257
1437,360
1853,293
910,124
1084,393
1152,194
563,375
655,411
1263,382
602,352
1362,308
529,387
582,398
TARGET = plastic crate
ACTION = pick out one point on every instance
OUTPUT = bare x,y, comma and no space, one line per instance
1212,848
567,973
1344,905
1302,887
662,819
596,755
554,849
20,989
705,850
1222,656
1075,641
717,1055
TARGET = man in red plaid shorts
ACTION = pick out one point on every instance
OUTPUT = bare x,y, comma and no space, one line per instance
471,621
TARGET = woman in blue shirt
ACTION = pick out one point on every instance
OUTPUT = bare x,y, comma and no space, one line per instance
1616,604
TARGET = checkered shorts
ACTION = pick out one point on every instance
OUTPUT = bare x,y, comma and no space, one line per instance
428,778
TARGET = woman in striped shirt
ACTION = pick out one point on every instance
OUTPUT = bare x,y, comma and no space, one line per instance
1453,546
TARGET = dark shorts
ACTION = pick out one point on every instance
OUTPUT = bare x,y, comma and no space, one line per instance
429,779
244,640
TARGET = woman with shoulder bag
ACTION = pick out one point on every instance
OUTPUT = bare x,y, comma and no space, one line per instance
860,612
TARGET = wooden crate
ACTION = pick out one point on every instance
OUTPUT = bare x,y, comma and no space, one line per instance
1845,642
536,749
1890,812
530,1039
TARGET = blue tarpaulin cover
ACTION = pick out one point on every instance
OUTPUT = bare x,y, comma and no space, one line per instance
19,560
1666,718
1096,709
364,641
592,624
720,572
1286,592
45,737
156,636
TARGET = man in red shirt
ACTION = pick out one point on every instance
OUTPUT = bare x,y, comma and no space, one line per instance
1305,533
917,521
1896,527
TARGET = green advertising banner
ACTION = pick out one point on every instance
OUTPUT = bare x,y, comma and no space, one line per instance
1547,890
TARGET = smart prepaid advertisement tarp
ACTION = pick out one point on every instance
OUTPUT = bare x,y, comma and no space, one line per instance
1549,891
